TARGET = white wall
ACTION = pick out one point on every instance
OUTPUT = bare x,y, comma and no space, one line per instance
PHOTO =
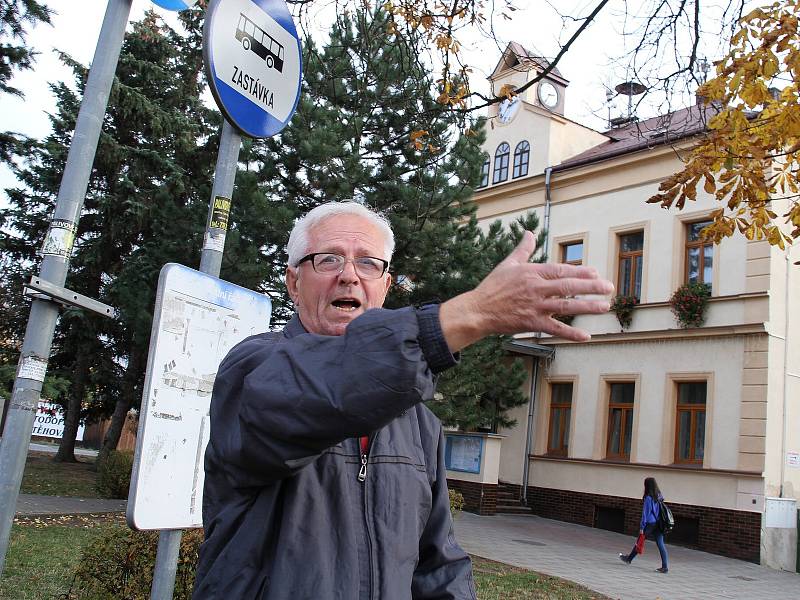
651,361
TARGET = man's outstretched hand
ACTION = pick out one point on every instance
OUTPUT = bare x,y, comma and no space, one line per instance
518,296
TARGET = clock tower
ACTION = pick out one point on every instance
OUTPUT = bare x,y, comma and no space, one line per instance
529,132
517,67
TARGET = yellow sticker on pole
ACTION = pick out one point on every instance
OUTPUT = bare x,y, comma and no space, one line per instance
220,213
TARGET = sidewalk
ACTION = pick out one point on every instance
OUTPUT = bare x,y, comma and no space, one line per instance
589,557
581,554
32,505
53,448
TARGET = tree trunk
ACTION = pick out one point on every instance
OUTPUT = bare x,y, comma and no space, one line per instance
130,389
72,413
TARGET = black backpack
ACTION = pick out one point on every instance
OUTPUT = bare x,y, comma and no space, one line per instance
666,522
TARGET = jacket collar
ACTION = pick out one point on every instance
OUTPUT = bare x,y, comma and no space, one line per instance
294,327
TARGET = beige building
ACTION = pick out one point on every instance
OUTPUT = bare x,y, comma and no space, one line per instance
712,412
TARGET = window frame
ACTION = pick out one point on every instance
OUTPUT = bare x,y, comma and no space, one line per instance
624,407
564,245
500,172
564,420
630,254
693,409
701,244
485,170
524,156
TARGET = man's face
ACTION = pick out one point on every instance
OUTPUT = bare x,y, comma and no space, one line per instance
326,303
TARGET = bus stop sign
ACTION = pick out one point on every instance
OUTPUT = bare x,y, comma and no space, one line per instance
253,62
175,4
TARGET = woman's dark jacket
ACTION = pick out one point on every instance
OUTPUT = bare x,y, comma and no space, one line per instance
284,511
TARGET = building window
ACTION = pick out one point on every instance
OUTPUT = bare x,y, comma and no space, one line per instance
485,174
522,155
501,163
699,255
631,251
690,429
620,420
572,253
560,408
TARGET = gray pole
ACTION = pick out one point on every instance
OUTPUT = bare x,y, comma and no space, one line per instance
224,175
56,253
169,540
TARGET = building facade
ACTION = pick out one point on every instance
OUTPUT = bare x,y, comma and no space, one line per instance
712,412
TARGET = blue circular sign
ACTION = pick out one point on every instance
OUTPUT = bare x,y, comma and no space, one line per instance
175,4
253,62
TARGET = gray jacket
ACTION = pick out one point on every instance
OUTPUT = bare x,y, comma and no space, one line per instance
285,512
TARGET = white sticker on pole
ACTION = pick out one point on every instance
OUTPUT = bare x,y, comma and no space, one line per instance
214,240
32,367
60,238
253,61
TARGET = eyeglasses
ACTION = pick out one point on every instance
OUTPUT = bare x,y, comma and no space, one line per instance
325,263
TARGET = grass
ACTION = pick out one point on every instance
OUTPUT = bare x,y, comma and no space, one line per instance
44,476
45,551
43,554
498,581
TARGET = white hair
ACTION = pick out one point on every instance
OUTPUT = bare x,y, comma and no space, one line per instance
299,241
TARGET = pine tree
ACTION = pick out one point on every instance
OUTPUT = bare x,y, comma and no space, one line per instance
146,205
15,55
368,128
479,391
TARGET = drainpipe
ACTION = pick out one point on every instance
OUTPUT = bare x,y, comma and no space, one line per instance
529,438
785,371
547,174
535,359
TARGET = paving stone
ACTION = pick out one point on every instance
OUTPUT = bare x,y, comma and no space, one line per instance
589,557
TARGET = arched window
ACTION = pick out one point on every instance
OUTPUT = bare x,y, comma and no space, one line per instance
485,174
501,163
522,156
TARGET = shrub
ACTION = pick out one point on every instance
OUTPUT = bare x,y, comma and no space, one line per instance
456,502
623,307
119,566
689,303
114,474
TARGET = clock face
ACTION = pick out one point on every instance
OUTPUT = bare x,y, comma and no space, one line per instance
548,94
508,109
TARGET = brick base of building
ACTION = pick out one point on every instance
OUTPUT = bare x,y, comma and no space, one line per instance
479,498
732,533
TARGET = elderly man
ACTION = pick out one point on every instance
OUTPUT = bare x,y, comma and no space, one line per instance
325,474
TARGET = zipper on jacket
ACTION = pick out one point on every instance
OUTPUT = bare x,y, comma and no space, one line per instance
362,472
363,445
362,476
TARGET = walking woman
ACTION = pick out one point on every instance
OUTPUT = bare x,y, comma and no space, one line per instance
649,524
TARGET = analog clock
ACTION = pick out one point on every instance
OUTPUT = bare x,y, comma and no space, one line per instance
548,94
508,109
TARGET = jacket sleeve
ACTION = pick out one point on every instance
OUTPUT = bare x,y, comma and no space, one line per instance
444,571
645,508
277,405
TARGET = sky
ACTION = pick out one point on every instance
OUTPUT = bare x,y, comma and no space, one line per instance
587,65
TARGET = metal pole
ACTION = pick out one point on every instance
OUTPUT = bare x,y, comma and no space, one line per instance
224,175
56,252
169,545
169,540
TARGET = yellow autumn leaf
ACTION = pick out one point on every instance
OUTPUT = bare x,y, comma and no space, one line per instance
507,90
